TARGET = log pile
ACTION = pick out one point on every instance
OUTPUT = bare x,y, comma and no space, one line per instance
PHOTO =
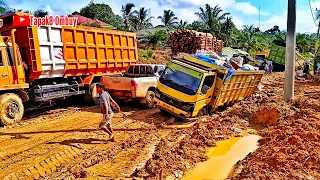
189,41
184,41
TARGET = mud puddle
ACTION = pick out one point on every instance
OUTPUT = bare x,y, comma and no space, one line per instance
223,157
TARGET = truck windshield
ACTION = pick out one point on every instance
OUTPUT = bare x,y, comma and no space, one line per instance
181,78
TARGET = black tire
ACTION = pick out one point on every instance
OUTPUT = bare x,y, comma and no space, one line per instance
11,108
150,103
91,97
210,111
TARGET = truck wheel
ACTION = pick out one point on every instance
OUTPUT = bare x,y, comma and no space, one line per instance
150,103
91,96
210,111
202,112
11,108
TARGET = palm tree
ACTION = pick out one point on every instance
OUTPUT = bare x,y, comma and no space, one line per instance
280,39
21,10
168,19
213,17
227,30
182,25
40,13
141,19
3,7
247,38
127,15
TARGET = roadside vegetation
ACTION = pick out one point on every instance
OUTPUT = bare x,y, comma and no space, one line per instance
211,19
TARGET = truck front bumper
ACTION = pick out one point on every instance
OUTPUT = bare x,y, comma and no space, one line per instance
174,111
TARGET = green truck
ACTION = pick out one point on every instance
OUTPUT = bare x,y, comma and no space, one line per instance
278,54
278,57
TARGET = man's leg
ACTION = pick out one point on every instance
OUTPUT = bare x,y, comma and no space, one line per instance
103,125
111,131
106,129
110,127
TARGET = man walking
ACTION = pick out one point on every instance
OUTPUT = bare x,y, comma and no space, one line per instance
106,103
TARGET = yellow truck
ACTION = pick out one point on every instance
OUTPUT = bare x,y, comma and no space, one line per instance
189,87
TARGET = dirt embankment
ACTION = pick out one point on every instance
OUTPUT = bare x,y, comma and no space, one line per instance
289,148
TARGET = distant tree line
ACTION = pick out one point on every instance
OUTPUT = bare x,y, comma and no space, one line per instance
210,20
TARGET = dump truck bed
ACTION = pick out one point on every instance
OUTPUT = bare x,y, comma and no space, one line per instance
242,84
58,51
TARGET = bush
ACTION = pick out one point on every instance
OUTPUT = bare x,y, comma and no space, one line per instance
146,56
158,39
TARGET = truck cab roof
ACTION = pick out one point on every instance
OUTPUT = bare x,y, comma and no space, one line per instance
145,69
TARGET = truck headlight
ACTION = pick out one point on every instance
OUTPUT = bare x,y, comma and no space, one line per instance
188,106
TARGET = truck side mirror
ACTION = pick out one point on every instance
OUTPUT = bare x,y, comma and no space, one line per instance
204,89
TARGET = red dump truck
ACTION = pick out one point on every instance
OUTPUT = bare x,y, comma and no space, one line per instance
51,62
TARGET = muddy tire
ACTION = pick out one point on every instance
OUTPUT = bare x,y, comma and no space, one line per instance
91,97
11,108
150,103
203,112
210,111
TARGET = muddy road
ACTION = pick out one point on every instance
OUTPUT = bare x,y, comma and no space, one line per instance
63,142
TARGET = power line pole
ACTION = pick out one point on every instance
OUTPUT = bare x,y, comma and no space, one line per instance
316,56
290,51
259,17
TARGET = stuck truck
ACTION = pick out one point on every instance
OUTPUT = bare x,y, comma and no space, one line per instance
52,62
190,87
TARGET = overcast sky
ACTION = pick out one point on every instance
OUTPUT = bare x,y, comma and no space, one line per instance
244,12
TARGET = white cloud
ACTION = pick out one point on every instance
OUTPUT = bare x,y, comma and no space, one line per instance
238,22
304,22
185,11
49,10
246,8
222,3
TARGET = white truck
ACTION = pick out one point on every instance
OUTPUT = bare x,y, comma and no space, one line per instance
137,83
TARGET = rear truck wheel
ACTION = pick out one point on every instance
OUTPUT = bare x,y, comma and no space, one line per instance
210,111
150,102
11,108
91,96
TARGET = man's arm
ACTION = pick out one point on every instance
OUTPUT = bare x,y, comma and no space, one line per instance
115,104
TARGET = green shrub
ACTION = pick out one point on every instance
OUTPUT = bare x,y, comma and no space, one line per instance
146,56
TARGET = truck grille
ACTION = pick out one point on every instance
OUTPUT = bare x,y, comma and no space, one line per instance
170,100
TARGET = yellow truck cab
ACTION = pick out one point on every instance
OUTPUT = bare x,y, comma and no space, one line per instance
190,87
262,55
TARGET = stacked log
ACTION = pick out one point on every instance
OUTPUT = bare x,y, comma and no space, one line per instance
184,41
189,41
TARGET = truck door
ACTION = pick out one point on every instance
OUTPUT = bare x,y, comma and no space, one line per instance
208,87
12,70
4,75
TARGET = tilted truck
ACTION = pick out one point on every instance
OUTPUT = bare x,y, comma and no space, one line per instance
47,62
190,87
